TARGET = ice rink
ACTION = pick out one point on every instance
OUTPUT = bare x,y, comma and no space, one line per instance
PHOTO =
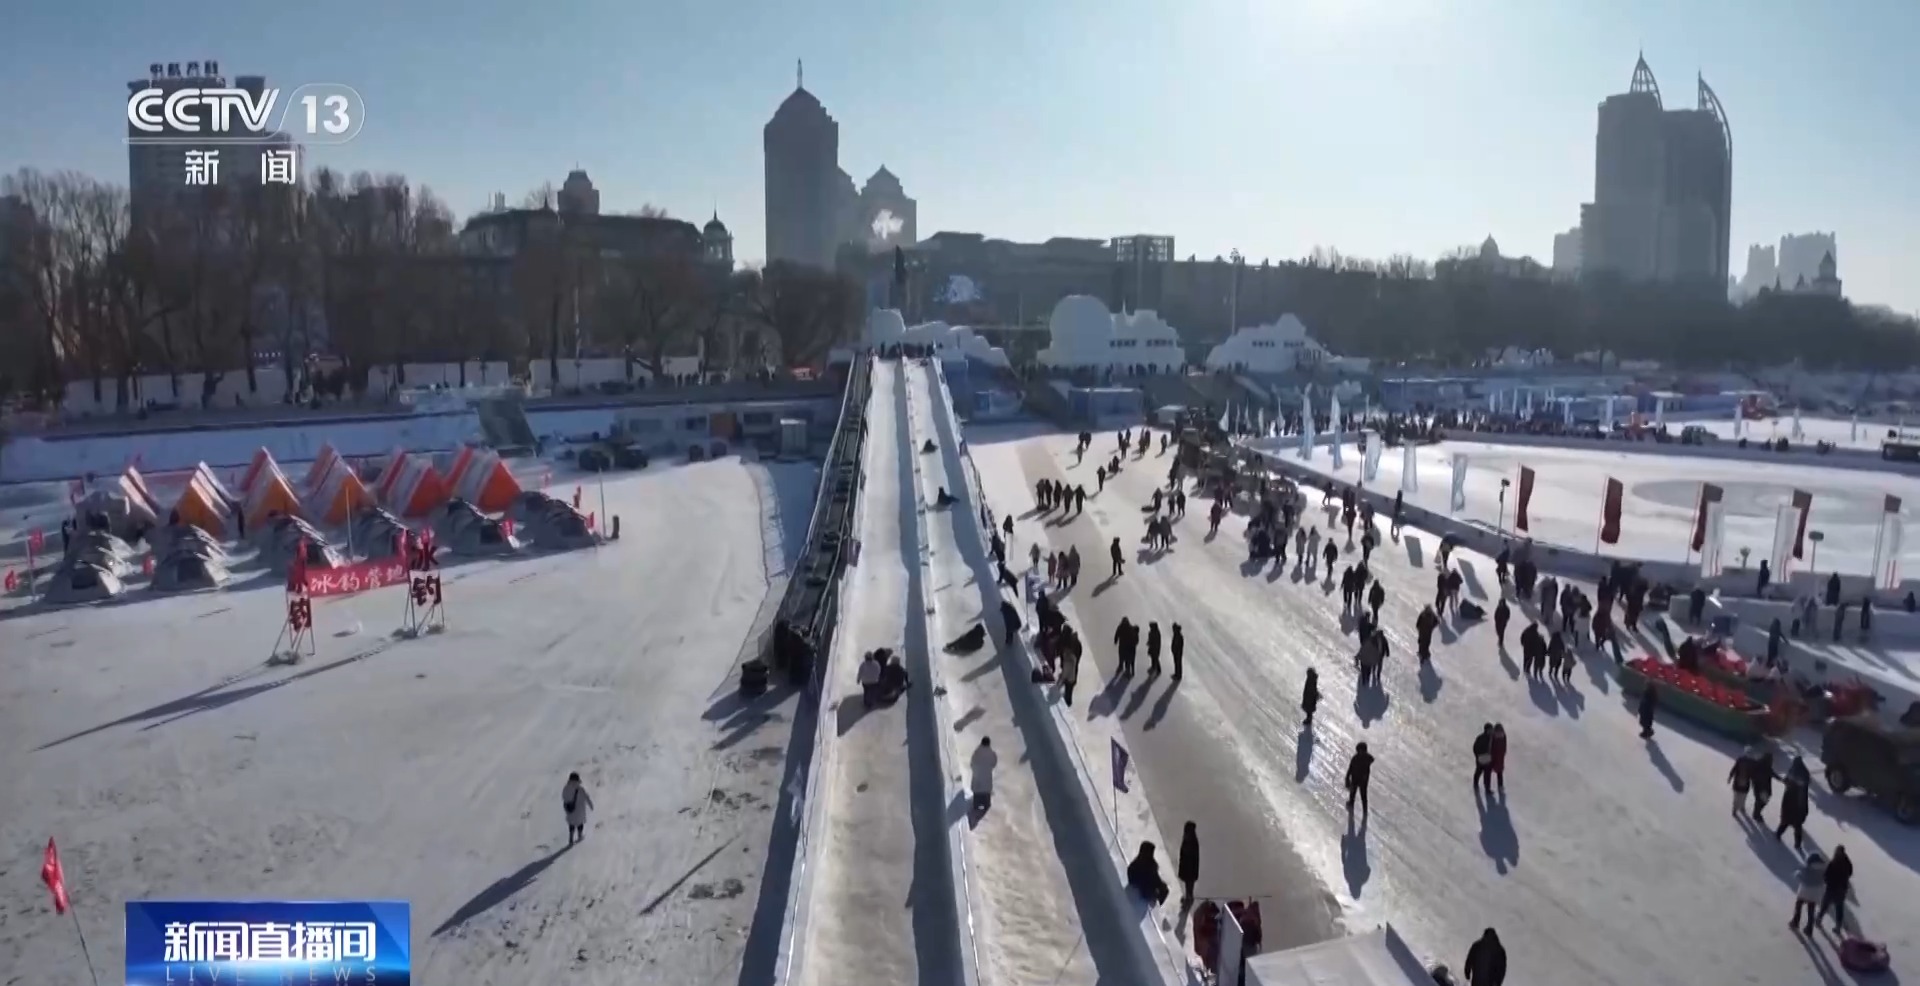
1662,493
1609,861
170,762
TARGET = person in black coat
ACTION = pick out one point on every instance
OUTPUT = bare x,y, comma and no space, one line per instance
1839,882
1649,703
1794,800
1119,560
1143,876
1423,628
1376,598
1010,620
1310,695
1153,647
1501,614
1359,774
1125,637
1486,960
1178,647
1189,866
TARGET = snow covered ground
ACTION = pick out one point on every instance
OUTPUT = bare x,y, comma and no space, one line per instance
169,761
1662,492
883,907
1043,900
1610,860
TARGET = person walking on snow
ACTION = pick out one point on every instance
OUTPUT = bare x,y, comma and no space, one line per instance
981,781
1838,881
1069,675
1332,554
1501,614
1153,648
1499,765
1007,525
1359,773
1649,703
1741,779
1376,598
1486,961
1808,892
1178,646
1125,637
1794,802
1188,869
1483,759
1423,627
1119,560
577,802
1762,777
1310,696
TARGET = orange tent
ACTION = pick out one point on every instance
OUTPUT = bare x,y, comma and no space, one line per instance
262,460
495,488
204,474
136,487
271,494
419,490
390,470
479,469
462,463
322,465
203,508
341,493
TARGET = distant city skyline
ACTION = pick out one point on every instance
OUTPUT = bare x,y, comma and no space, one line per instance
1270,128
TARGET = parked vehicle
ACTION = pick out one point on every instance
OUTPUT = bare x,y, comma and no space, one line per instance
1882,760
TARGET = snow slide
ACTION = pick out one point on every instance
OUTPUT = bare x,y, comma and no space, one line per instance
879,907
1050,906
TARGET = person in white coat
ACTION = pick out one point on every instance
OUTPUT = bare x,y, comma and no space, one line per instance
984,760
575,799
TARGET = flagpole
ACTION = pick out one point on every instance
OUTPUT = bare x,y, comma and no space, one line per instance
85,953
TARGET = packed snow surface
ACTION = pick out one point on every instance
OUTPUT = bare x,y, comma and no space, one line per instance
1610,860
150,738
1662,493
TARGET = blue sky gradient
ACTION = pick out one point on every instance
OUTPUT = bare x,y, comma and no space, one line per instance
1372,126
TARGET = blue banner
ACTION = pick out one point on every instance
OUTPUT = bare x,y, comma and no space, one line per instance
368,943
1120,760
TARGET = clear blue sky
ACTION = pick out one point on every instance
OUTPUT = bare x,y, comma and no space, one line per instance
1374,126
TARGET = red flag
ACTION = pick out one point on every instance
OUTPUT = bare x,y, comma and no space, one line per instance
56,881
1610,512
1803,502
1526,496
36,541
297,570
1709,493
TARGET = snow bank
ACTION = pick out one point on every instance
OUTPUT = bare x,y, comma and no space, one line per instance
1151,956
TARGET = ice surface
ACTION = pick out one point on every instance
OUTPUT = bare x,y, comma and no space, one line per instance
1841,433
1662,491
1610,861
169,761
882,909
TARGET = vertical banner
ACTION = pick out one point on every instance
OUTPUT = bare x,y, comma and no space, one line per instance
1614,498
1803,502
1566,411
1226,418
1524,500
1709,495
1606,423
1233,950
1410,470
1458,501
1739,419
1853,429
1306,423
1370,469
1799,433
1333,419
1118,754
1279,417
1786,527
1887,546
1715,520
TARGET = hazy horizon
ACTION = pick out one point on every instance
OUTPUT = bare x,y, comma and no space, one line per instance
1373,127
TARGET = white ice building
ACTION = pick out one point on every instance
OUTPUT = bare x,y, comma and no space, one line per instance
1276,347
1083,334
886,327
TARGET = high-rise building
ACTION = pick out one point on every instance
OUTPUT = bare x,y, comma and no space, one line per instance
887,217
1662,186
807,193
577,195
1800,256
1567,253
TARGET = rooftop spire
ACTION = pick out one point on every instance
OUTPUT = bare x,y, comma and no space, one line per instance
799,74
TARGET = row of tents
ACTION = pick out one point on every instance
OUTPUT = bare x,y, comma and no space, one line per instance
330,493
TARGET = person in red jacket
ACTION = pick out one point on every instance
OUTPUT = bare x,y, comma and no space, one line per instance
1498,768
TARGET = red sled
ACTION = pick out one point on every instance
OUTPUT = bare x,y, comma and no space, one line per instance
1860,955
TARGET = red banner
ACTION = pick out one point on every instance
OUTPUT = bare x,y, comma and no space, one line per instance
1709,494
1803,502
1526,497
55,878
36,541
1610,512
356,578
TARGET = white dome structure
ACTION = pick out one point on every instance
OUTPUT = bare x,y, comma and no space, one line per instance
1276,347
1084,334
886,327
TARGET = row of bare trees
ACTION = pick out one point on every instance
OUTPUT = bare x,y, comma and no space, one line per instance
355,273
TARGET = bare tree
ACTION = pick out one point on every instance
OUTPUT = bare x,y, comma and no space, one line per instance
654,304
648,210
806,311
542,197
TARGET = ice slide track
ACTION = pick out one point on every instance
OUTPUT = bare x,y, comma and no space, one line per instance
859,794
1109,918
